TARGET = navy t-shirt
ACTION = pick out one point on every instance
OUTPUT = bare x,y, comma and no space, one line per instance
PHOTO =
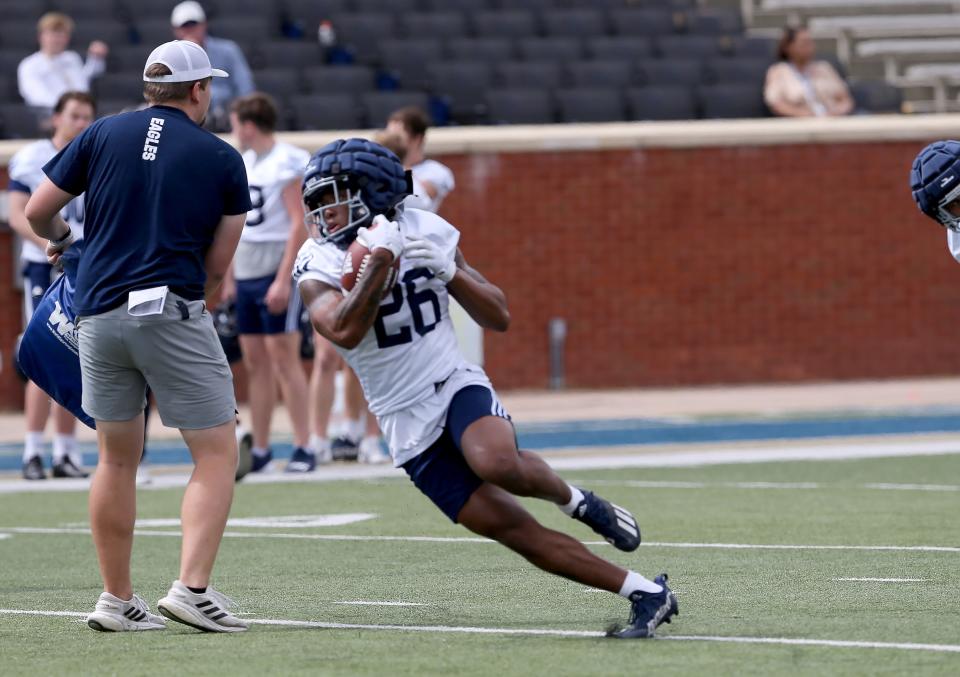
157,185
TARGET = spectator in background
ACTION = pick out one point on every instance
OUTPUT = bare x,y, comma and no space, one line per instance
799,85
45,75
189,22
432,181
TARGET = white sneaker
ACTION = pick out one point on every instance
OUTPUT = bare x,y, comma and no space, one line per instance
206,611
113,614
144,477
323,452
371,452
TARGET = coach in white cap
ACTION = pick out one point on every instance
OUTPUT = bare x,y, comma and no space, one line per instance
189,22
166,201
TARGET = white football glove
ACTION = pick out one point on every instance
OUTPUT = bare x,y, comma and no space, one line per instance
425,254
385,236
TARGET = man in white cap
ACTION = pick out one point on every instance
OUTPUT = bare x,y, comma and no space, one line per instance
189,22
166,202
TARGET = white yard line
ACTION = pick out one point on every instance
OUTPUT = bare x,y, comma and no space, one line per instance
360,602
884,580
667,484
475,539
549,632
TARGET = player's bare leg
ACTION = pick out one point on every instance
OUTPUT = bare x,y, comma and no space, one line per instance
490,449
326,361
494,513
113,501
284,353
262,388
36,408
207,499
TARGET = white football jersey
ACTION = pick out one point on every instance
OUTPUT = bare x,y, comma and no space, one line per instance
435,173
412,346
26,170
268,175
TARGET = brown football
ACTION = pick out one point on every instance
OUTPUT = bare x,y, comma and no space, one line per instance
355,262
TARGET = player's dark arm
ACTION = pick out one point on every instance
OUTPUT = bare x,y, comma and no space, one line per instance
345,320
484,302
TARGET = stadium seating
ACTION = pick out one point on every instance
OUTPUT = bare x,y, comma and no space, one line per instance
471,60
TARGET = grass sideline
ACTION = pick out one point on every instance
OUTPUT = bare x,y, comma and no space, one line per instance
732,592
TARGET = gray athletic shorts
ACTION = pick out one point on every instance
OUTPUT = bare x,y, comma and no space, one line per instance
180,359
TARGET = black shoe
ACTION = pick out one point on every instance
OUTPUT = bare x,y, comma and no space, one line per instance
610,521
33,469
344,449
301,461
648,611
66,468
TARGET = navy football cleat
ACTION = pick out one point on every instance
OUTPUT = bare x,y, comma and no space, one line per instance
262,463
610,521
301,461
648,611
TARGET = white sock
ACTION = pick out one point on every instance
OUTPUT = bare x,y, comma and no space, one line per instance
634,582
32,445
260,451
317,442
575,497
356,428
63,446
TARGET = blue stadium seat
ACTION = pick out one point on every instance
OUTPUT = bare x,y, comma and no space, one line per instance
395,6
433,24
378,106
619,47
128,58
759,48
244,30
508,23
578,23
339,79
668,102
18,122
286,53
464,85
689,46
280,83
360,33
877,96
732,101
547,49
736,70
20,35
153,31
590,104
407,59
459,5
306,15
714,21
516,74
27,10
325,111
643,21
120,86
605,73
491,50
683,72
525,106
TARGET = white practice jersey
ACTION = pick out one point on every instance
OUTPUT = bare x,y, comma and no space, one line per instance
26,175
438,175
268,175
412,346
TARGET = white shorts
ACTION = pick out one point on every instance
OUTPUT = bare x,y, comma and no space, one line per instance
409,432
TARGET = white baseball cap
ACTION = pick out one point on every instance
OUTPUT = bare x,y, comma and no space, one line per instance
186,60
186,12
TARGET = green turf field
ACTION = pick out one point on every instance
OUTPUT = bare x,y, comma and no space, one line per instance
735,592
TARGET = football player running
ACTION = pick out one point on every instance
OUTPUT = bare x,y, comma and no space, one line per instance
440,415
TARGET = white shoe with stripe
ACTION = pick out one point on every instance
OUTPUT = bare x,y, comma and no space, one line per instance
113,614
208,611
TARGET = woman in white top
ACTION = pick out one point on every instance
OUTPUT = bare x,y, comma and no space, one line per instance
44,75
801,86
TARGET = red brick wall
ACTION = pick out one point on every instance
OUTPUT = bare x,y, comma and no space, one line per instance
681,267
720,265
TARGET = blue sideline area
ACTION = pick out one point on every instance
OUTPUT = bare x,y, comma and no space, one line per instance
626,432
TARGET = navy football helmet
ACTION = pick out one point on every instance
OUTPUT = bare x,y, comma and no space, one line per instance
364,176
935,182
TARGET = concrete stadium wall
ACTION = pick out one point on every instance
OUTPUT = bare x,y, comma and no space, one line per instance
692,253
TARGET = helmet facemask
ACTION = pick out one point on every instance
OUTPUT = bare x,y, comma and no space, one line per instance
944,215
332,192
